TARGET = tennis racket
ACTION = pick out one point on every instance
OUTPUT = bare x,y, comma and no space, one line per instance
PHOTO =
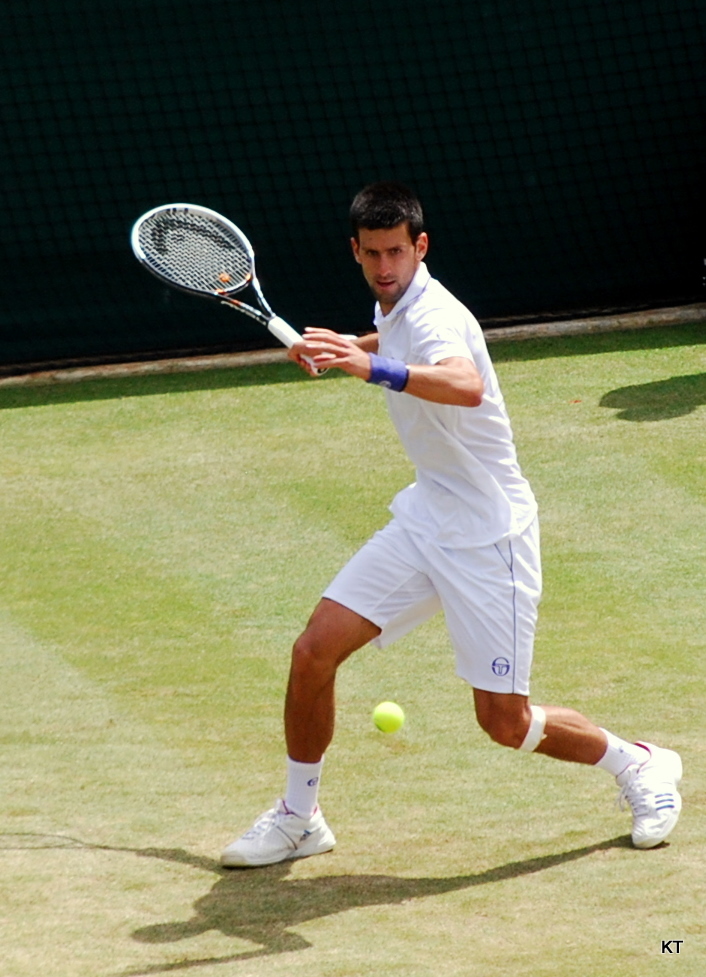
201,252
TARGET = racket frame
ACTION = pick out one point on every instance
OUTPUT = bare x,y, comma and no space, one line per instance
285,333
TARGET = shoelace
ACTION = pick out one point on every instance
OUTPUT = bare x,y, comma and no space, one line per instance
631,795
263,823
634,794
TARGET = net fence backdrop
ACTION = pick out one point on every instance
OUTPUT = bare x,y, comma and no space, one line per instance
557,146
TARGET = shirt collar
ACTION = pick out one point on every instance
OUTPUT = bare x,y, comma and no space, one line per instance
414,290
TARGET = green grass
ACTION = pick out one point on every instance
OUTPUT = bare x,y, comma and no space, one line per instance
163,541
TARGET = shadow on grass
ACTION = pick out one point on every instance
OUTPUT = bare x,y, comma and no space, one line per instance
262,906
273,373
661,337
153,385
660,400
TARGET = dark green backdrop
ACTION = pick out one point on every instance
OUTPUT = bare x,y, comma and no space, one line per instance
558,147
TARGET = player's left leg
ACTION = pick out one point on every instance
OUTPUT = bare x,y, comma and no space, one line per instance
490,597
648,775
560,733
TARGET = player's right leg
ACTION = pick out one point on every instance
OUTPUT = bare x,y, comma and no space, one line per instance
380,595
333,633
295,826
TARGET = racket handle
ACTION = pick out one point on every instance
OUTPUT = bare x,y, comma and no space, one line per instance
288,337
283,331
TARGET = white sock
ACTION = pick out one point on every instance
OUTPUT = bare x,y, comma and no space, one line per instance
620,755
301,797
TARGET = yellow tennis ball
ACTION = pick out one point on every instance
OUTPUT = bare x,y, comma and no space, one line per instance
388,717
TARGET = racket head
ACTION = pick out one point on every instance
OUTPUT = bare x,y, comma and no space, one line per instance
194,249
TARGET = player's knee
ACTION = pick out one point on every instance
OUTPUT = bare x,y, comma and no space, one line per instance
506,728
332,633
312,656
505,732
307,652
520,732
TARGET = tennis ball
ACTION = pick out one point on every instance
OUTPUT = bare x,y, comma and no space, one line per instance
388,717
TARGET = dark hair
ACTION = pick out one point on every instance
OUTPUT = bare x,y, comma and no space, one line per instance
386,205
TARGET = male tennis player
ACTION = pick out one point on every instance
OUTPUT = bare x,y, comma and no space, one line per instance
463,538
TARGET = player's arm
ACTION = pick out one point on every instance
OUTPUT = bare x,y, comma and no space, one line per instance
452,381
369,342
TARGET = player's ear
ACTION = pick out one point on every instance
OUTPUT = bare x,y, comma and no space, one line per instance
422,245
356,249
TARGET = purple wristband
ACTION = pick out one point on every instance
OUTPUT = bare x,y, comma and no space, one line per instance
384,372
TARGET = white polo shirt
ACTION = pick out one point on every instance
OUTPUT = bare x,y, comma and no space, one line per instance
469,490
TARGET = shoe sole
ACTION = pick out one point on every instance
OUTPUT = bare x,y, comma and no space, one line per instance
236,860
320,843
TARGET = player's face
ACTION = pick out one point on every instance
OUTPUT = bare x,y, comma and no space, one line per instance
389,260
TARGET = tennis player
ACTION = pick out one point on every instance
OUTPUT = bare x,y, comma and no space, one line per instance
463,539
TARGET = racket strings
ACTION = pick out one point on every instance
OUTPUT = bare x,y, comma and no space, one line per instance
195,253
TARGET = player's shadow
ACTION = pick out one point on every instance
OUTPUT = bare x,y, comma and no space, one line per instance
659,400
264,907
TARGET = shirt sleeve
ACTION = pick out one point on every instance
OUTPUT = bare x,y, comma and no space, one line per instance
441,333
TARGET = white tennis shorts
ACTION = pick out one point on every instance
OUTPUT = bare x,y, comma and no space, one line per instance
489,596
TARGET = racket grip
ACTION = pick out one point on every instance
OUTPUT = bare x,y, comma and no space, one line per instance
283,331
288,337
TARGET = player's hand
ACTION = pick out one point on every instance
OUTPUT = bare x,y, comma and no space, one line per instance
299,355
329,349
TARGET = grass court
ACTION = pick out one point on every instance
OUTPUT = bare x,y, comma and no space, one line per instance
164,539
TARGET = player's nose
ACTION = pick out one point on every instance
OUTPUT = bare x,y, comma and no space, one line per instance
384,267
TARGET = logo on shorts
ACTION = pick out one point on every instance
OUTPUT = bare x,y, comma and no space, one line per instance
501,666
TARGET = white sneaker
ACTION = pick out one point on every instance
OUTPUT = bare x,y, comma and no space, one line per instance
277,836
651,791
